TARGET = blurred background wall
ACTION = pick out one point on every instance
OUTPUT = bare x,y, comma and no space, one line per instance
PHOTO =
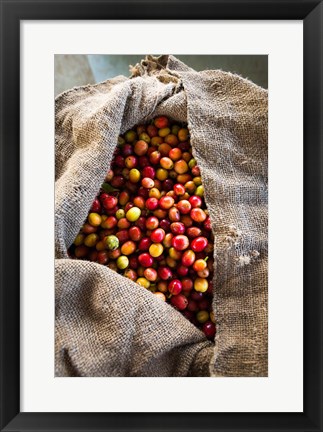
76,70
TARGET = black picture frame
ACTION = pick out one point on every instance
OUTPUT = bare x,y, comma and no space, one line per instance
12,12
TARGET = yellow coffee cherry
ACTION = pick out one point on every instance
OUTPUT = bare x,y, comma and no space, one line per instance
143,282
156,249
201,284
212,317
202,316
94,219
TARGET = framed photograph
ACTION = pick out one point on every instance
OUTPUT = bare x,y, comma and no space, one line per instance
146,281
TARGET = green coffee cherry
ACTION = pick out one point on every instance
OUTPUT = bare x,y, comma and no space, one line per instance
111,242
122,262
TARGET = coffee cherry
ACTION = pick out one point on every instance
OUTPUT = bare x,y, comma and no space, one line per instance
179,189
109,223
144,137
192,306
180,302
160,295
81,251
183,134
143,282
152,222
122,262
164,273
188,258
202,316
177,228
114,254
184,206
198,215
141,147
156,249
200,284
155,228
128,247
175,154
91,240
130,273
123,223
193,232
182,270
152,131
166,163
145,260
187,284
165,224
167,242
110,202
181,166
154,193
111,242
147,183
174,253
139,202
175,286
158,235
180,242
133,262
171,262
203,273
197,296
195,201
198,244
133,214
161,122
190,187
79,240
161,174
199,190
135,233
164,132
102,257
131,162
123,235
151,203
150,274
199,265
96,206
149,172
168,185
196,171
166,202
144,244
130,136
174,214
207,224
155,157
209,329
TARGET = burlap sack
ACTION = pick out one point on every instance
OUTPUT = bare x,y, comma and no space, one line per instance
107,325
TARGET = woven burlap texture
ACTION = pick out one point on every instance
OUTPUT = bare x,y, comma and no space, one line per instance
106,325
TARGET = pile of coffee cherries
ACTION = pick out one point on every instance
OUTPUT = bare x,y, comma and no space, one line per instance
150,223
